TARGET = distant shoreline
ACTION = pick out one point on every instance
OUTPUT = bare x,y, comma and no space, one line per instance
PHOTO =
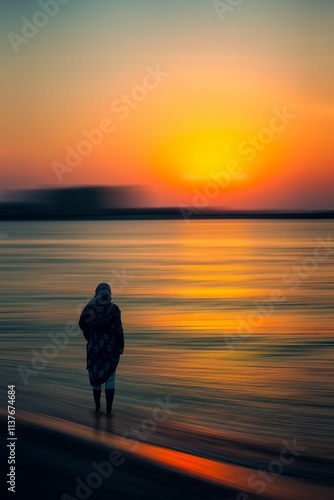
129,203
163,214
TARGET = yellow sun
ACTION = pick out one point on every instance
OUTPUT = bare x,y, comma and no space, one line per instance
192,159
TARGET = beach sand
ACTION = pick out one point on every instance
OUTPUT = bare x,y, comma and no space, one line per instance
58,459
50,460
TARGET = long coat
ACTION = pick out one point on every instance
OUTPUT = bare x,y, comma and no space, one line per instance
102,328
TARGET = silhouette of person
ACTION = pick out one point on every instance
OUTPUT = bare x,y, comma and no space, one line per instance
102,327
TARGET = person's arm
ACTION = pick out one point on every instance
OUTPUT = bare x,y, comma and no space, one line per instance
84,321
119,331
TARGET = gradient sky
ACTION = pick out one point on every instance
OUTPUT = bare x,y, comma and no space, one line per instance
225,78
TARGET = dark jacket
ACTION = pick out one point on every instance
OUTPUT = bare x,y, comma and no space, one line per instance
102,328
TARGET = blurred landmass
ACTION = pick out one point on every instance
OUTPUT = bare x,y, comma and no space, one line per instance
120,203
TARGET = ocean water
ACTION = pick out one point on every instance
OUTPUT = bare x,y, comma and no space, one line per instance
229,322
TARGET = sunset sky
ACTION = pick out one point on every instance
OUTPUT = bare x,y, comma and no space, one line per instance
184,91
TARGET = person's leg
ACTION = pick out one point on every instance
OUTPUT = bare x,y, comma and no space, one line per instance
97,397
110,391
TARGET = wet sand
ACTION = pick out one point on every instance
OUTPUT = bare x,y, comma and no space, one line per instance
49,461
61,459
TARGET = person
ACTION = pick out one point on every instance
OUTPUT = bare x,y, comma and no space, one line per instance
102,327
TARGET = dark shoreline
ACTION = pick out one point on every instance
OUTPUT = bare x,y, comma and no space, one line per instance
49,461
189,213
61,459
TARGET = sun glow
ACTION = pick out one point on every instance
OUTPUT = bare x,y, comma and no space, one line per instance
192,159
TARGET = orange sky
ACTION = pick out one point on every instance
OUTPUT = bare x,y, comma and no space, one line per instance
180,95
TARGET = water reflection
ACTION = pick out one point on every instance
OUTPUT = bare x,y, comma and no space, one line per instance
186,292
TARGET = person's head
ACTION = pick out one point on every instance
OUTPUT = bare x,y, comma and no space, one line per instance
103,293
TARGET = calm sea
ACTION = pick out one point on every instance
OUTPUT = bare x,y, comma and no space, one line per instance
229,321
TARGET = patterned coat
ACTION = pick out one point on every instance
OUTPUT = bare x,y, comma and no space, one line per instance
102,328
